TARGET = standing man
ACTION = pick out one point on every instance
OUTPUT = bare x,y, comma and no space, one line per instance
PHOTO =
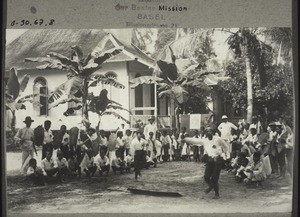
216,150
225,129
25,138
48,139
138,145
151,127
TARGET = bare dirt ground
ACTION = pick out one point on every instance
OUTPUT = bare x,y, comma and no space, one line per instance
110,195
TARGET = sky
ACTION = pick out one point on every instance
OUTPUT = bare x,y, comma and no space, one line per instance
12,34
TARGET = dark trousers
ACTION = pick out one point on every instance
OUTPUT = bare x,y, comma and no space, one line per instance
274,163
104,169
212,173
90,171
289,157
115,169
51,172
120,152
48,147
37,178
281,162
65,151
62,172
196,155
139,161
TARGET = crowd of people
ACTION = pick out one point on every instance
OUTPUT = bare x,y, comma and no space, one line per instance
249,151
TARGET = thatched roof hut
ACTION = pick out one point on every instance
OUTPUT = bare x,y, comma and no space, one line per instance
38,43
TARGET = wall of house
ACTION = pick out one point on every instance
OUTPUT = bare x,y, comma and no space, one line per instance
135,68
56,77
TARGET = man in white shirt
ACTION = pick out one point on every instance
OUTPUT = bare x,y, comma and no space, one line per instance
88,164
139,144
225,129
65,141
151,127
48,139
102,163
62,165
49,165
216,150
25,138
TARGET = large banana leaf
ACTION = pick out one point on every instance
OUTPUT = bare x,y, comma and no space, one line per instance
178,93
168,70
89,69
145,80
111,81
116,115
62,101
102,57
70,87
63,59
13,85
77,53
49,60
24,83
110,106
98,49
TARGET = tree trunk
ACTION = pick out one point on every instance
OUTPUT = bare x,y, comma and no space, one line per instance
85,113
249,86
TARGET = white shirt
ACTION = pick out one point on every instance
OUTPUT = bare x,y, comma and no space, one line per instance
86,162
25,134
225,129
138,144
66,139
48,165
120,142
100,162
150,128
257,126
213,148
31,171
251,138
62,163
48,136
128,159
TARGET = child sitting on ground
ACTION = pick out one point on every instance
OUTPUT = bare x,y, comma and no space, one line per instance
117,164
49,165
36,174
255,171
73,166
242,163
102,163
129,163
87,164
62,165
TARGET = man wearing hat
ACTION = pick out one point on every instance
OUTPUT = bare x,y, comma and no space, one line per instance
25,138
225,129
150,127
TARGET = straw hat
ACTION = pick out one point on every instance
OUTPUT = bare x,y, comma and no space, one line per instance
28,119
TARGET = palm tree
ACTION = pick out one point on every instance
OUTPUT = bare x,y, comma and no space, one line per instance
246,45
81,76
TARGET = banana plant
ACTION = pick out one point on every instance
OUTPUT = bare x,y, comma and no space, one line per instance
80,77
15,99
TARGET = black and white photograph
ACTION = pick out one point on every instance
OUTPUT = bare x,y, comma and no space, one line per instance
149,120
